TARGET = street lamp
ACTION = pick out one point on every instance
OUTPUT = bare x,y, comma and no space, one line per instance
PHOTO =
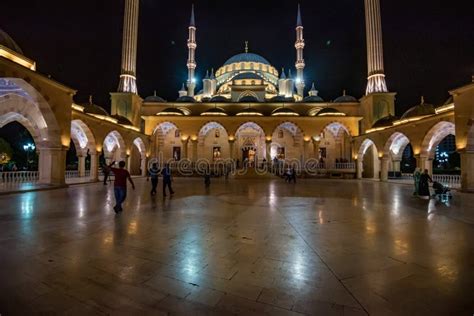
28,147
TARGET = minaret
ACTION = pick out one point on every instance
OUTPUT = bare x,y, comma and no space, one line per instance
128,79
191,83
299,45
376,76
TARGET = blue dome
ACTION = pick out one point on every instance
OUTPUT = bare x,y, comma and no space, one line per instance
246,57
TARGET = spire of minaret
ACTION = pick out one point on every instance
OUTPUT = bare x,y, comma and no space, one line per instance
313,92
192,21
191,64
299,45
282,75
299,21
246,46
373,24
128,80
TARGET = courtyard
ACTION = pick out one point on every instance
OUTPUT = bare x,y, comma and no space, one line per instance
249,247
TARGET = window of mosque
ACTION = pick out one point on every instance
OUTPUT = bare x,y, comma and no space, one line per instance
176,133
252,66
252,82
280,134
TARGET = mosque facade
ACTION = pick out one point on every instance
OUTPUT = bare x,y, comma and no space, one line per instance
247,110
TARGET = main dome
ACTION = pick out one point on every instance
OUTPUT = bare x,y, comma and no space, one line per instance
246,57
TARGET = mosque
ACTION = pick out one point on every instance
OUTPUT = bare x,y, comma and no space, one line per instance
247,110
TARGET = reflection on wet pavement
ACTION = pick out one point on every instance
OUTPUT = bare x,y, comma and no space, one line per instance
248,247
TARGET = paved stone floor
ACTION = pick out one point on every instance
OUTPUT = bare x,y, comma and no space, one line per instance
249,247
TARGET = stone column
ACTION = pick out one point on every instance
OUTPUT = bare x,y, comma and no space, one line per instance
305,150
194,143
467,171
95,165
143,166
316,148
424,162
396,165
128,162
268,145
384,161
82,165
185,148
360,168
52,166
231,148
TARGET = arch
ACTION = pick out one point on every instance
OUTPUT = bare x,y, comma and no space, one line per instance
23,103
82,136
335,126
291,127
247,93
164,128
114,146
434,136
210,126
364,146
140,144
251,125
395,144
368,165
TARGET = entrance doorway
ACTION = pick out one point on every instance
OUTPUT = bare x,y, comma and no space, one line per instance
248,156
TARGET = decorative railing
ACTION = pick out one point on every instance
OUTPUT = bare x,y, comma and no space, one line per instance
450,180
345,165
75,174
19,176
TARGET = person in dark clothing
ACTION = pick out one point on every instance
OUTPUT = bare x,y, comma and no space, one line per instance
424,187
106,171
207,177
153,173
120,185
166,173
293,175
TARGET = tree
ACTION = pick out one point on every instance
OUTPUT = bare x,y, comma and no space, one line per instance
5,152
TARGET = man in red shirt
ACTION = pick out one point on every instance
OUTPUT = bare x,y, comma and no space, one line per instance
120,185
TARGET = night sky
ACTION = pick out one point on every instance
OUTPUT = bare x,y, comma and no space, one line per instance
428,45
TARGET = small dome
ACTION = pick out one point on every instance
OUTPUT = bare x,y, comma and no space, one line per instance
284,112
91,108
249,112
171,112
385,121
154,99
8,42
219,99
246,57
345,98
214,112
330,112
247,75
248,98
122,119
186,99
422,109
313,99
280,98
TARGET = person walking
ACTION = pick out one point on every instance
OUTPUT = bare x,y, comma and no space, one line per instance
166,172
153,173
120,185
106,171
293,175
424,187
416,180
